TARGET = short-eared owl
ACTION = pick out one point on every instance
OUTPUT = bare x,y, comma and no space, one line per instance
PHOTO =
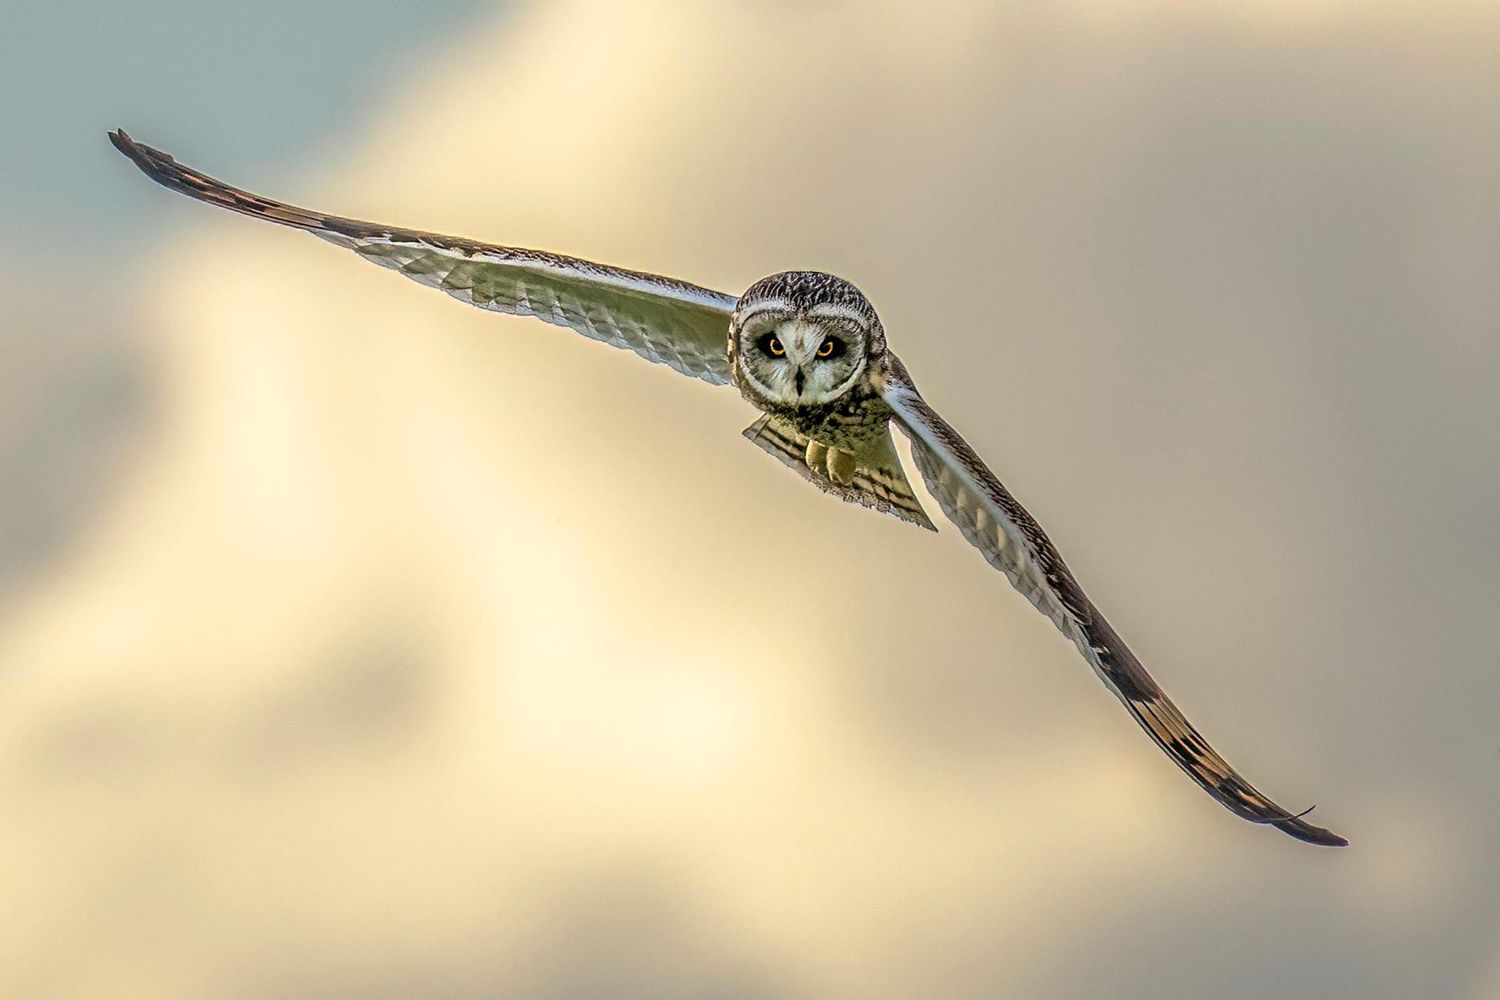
808,351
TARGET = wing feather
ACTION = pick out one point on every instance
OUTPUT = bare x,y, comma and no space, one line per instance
1011,540
681,325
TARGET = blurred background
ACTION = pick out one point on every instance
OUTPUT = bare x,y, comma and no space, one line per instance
358,643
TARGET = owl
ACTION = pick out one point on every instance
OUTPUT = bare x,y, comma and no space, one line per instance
806,350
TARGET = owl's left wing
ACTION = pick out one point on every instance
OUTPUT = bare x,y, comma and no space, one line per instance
671,322
1011,540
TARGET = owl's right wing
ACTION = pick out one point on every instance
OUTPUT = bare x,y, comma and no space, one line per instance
1012,541
661,319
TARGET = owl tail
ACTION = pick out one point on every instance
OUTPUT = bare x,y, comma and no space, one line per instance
877,481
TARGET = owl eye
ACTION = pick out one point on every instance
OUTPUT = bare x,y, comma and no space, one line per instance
831,348
771,344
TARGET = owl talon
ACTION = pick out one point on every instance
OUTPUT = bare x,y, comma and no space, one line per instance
817,459
841,466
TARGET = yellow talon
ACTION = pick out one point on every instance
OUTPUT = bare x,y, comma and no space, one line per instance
817,458
840,466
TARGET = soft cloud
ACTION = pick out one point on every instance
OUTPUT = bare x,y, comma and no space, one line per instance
433,652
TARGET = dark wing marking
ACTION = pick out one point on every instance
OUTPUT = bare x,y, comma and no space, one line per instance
879,484
1011,540
663,320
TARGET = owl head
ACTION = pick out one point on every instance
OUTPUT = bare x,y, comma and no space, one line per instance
802,338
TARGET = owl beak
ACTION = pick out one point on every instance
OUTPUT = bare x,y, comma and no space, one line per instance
799,380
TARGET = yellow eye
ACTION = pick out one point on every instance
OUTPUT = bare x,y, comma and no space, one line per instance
832,347
774,348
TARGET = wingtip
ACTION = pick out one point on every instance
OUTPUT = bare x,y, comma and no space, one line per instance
142,156
161,167
1296,826
121,140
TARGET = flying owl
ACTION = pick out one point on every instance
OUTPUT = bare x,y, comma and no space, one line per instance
808,351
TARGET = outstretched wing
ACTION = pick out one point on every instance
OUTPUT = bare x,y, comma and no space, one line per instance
1012,541
671,322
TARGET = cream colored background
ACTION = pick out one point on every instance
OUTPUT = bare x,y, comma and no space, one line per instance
356,643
